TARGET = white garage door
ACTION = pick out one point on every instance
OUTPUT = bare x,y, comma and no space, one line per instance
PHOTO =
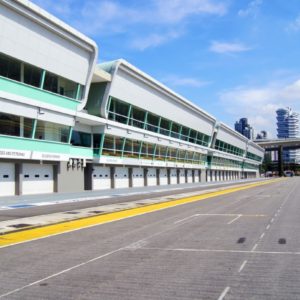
137,177
163,177
101,178
189,176
152,177
173,176
121,177
37,179
7,179
196,175
181,176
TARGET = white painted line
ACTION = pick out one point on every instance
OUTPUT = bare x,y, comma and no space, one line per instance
255,246
268,227
218,251
185,219
263,234
59,273
272,220
222,296
235,219
242,266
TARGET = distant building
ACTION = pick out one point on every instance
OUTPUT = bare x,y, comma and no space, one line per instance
243,127
263,135
288,127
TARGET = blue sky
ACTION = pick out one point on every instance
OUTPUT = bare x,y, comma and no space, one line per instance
233,58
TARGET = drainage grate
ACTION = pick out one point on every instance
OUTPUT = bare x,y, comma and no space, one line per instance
241,240
19,225
72,212
282,241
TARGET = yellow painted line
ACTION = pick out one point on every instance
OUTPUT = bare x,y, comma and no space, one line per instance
55,229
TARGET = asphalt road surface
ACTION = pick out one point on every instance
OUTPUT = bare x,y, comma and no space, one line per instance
243,245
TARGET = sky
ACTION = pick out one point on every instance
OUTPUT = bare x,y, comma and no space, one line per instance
232,58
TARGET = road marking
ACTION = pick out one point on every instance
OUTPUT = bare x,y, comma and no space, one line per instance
222,296
272,220
235,219
185,219
218,251
262,235
268,227
59,273
70,226
242,266
255,246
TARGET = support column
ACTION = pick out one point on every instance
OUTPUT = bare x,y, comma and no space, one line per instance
146,177
112,177
280,161
158,176
130,175
18,178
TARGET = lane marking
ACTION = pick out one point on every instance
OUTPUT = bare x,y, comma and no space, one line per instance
254,247
222,296
272,220
235,219
59,273
268,227
61,228
242,266
218,251
185,219
262,235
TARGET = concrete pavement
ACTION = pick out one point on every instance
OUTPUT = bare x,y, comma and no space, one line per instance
242,245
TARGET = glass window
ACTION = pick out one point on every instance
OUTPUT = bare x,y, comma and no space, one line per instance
172,154
193,136
185,133
181,155
152,122
32,75
10,67
113,146
67,87
164,127
15,125
176,128
161,152
137,117
118,111
147,150
52,132
51,83
81,139
131,148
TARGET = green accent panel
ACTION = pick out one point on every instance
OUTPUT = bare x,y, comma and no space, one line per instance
95,98
81,151
34,93
18,143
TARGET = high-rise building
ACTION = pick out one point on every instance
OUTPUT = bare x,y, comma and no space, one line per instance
263,135
243,127
288,127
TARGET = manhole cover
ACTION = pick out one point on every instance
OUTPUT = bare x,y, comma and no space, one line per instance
19,225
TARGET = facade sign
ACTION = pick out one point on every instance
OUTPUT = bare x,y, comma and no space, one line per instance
16,154
49,156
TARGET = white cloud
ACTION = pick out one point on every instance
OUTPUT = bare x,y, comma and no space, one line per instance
295,25
222,47
252,9
174,11
164,20
259,104
153,40
174,80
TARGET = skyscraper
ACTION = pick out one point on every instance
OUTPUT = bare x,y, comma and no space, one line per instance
288,127
243,127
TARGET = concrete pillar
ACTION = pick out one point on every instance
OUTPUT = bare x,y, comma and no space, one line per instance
146,177
130,177
158,176
18,178
202,175
112,177
169,175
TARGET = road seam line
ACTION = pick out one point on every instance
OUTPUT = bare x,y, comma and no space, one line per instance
222,296
242,266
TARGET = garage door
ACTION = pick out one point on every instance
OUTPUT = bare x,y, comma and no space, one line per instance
196,175
137,177
189,176
173,176
7,179
152,177
121,177
163,176
181,176
101,178
37,179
